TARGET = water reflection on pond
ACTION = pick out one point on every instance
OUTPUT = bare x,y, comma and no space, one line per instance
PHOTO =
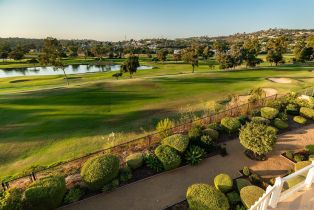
71,69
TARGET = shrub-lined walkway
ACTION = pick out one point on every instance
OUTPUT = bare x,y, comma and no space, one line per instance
170,187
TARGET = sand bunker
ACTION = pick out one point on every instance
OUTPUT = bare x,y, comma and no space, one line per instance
280,80
270,91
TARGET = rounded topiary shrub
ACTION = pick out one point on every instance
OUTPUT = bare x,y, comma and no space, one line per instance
135,160
292,109
100,170
307,112
206,197
257,138
231,124
46,193
278,123
269,112
168,156
250,194
195,133
178,142
223,182
11,200
260,120
300,120
215,126
213,134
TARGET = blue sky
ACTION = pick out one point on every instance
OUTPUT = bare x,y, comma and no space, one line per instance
113,19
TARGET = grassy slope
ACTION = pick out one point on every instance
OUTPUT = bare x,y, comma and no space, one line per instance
46,126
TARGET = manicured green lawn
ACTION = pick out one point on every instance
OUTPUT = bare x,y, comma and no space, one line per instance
46,126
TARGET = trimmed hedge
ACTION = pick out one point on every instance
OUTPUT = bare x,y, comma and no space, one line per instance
11,200
278,123
307,112
300,165
260,120
250,194
206,197
168,156
100,170
178,142
46,193
300,120
242,183
269,112
213,134
135,160
231,124
223,182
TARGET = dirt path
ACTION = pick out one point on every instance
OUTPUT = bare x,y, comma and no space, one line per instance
168,188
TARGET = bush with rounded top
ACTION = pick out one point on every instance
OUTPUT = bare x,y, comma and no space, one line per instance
223,182
195,133
231,124
11,200
206,197
100,170
46,193
258,138
305,101
292,109
213,134
309,148
164,128
307,112
250,194
246,171
269,112
215,126
178,142
135,160
242,183
260,120
168,156
233,198
278,123
300,120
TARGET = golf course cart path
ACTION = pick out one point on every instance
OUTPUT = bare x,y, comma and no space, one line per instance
168,188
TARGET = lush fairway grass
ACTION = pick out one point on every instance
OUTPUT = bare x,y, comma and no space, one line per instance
46,126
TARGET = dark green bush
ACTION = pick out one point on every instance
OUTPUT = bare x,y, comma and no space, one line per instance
111,185
298,158
207,143
255,113
178,142
290,155
300,120
100,170
223,182
278,123
46,193
154,163
215,126
283,116
243,119
309,148
292,109
307,112
195,133
135,160
250,194
246,171
125,174
255,179
213,134
194,155
11,200
168,156
206,197
242,183
73,195
260,120
230,124
233,197
269,112
258,138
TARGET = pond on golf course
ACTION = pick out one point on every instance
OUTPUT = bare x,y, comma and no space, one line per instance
71,69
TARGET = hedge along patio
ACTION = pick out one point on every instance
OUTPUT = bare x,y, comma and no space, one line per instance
71,168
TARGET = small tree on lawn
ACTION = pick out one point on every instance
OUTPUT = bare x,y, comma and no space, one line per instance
258,138
130,65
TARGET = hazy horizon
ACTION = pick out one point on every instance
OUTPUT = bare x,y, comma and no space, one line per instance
111,20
